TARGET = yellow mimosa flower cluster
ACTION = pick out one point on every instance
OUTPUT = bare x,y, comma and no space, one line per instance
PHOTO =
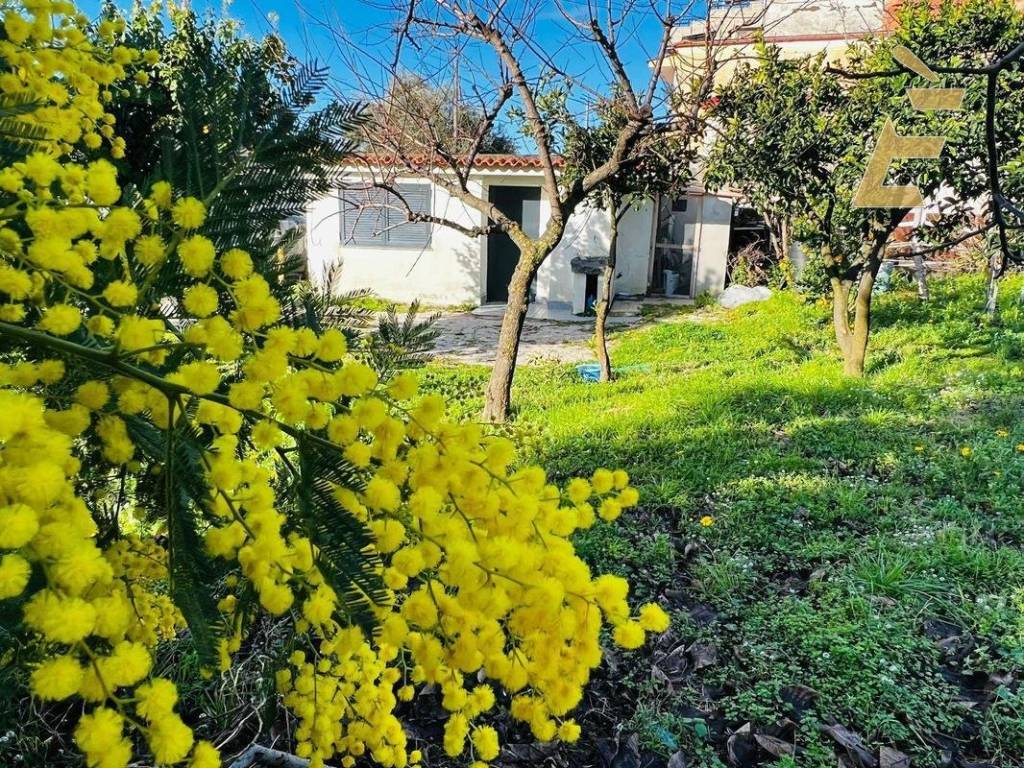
482,589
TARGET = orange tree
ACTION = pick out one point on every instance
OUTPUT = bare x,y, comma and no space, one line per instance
148,373
795,136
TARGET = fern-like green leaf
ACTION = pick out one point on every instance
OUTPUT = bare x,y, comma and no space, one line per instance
194,576
344,555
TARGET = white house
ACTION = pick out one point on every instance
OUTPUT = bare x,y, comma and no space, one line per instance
379,250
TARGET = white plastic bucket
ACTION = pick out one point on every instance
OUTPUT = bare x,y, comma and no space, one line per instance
671,282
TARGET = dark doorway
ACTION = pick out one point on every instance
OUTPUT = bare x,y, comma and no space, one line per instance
522,204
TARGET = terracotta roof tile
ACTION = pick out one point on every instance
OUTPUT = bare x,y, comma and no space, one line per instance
512,161
498,162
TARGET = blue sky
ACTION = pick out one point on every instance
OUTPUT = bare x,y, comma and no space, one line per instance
366,24
353,37
313,28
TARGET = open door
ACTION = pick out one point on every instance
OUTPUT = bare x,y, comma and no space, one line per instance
677,235
521,204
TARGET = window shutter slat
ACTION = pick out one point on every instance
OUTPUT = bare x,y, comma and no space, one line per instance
406,234
364,219
374,218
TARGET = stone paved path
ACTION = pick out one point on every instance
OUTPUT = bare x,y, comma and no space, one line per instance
470,338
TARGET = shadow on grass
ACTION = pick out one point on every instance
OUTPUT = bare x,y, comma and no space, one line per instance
849,517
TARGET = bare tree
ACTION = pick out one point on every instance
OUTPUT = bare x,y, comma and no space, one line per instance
504,70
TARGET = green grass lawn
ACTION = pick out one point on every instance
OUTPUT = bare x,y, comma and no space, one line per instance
864,568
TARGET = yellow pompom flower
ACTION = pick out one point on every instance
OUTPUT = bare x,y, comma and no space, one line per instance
236,264
40,168
17,27
200,300
99,733
276,598
343,430
61,320
628,497
389,534
18,524
60,619
121,294
93,395
245,395
135,333
406,693
333,346
155,699
150,250
120,226
485,739
653,618
205,755
101,183
188,213
196,254
610,590
569,732
57,678
169,739
14,282
14,575
579,490
129,663
404,386
603,481
358,455
629,635
201,377
609,510
162,194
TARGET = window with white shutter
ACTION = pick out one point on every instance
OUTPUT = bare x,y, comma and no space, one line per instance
376,218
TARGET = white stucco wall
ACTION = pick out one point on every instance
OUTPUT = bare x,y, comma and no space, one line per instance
587,234
448,271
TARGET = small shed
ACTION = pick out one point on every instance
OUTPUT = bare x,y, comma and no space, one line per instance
379,250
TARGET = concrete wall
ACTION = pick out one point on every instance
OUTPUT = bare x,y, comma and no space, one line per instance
713,245
797,27
792,18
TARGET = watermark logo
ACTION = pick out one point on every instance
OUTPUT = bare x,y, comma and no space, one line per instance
873,192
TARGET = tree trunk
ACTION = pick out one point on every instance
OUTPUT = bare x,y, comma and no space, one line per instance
605,302
498,396
922,277
787,248
853,341
776,237
854,361
841,314
992,292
